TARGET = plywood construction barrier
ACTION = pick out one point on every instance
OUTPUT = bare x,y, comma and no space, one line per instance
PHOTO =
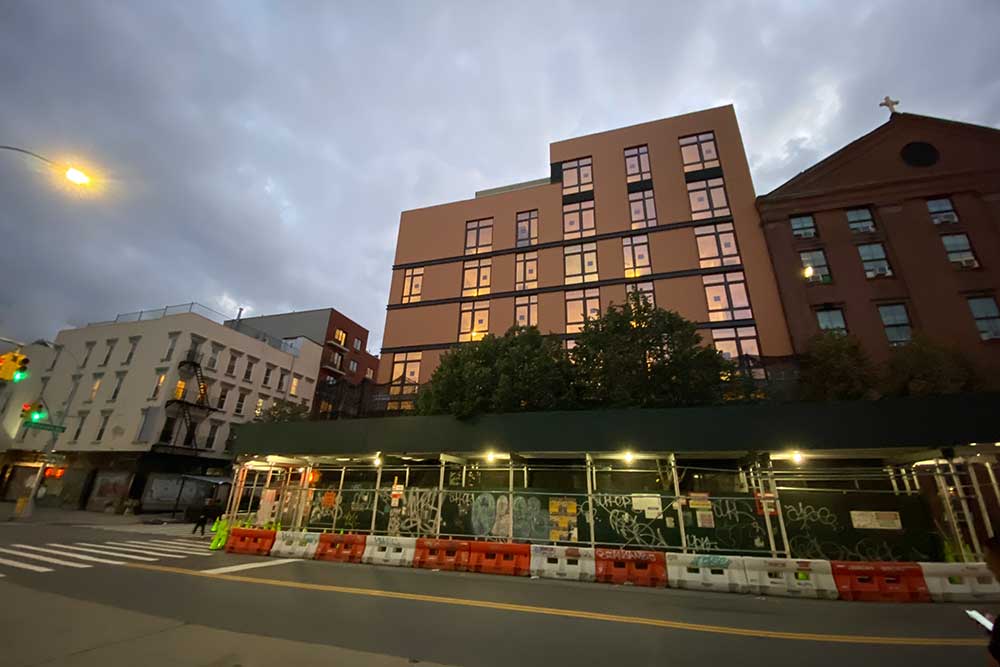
382,550
551,562
341,548
960,582
724,574
880,582
250,541
500,558
635,567
441,554
288,544
790,578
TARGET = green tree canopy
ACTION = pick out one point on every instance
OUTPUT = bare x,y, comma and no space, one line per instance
639,355
836,367
923,367
283,411
521,370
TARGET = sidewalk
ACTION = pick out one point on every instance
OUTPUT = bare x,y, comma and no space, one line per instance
42,629
58,516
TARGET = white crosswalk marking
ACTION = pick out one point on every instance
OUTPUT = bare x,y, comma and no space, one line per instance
170,548
163,530
181,543
61,553
44,559
100,549
24,566
125,546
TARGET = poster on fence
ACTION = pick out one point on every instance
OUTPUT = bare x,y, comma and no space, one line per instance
705,519
562,519
876,520
649,504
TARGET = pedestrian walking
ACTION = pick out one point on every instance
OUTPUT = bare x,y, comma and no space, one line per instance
206,514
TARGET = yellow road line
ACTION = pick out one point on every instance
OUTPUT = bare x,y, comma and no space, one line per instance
574,613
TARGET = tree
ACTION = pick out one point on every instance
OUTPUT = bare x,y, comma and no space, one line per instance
923,367
836,367
521,370
283,411
639,355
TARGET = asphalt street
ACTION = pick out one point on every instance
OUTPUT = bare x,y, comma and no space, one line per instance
169,597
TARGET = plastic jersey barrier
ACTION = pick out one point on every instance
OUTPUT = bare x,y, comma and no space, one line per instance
638,568
553,562
442,554
250,541
295,545
341,548
790,578
382,550
960,582
880,582
724,574
500,558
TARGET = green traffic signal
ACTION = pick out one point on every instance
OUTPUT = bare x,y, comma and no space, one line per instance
37,416
20,375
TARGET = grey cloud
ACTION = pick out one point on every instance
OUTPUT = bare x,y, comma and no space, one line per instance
260,153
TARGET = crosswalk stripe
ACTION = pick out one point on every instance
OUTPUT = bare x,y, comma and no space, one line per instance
44,559
61,553
182,543
170,548
24,566
97,549
124,546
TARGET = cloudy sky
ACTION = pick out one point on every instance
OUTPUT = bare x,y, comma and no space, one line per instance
258,154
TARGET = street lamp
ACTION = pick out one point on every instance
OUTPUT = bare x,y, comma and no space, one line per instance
70,173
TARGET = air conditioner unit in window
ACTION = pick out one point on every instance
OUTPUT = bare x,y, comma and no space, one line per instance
939,218
969,263
879,272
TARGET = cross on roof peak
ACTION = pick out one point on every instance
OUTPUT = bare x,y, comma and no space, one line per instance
889,104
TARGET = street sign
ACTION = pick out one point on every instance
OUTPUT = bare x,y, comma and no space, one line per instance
55,428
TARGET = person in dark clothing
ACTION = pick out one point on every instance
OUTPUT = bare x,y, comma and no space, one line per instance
991,554
208,513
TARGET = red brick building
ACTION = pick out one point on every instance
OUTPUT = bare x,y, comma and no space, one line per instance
895,234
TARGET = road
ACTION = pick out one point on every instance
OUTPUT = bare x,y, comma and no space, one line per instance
167,610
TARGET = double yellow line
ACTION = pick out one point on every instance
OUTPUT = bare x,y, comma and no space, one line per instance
574,613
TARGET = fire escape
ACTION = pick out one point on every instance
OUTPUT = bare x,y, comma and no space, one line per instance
191,413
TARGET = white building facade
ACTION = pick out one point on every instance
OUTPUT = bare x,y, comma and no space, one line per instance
117,386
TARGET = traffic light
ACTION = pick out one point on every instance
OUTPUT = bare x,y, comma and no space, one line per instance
33,412
21,373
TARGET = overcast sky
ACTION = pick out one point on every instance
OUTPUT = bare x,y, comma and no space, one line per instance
259,154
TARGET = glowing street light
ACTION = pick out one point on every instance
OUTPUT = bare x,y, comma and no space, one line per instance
74,175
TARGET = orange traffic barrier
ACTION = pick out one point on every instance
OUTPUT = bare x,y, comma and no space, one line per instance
500,558
639,568
341,548
880,582
442,554
250,541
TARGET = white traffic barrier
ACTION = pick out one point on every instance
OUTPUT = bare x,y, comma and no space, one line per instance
563,563
712,573
381,550
960,582
295,545
790,578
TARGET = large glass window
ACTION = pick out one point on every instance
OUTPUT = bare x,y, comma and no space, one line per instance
581,305
578,176
109,351
526,311
646,290
942,211
726,294
803,226
405,380
987,316
699,151
896,321
740,345
874,261
716,245
525,271
637,164
413,280
860,221
636,251
831,319
476,277
814,266
478,236
473,321
580,263
642,209
579,220
527,228
959,251
708,199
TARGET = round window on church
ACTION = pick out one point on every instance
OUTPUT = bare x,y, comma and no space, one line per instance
919,154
